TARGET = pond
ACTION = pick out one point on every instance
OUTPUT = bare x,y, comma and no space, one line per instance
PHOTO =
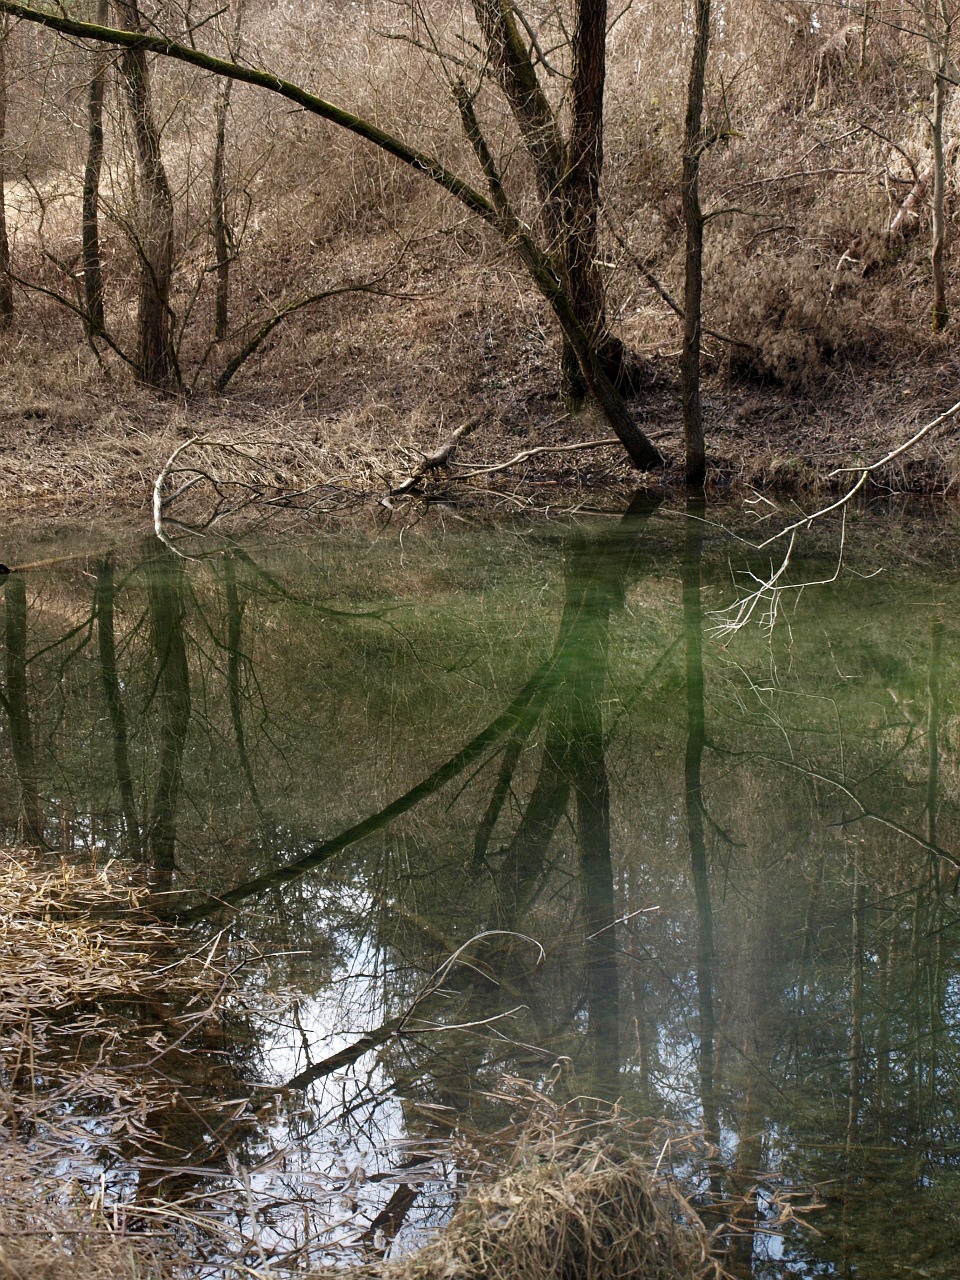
508,803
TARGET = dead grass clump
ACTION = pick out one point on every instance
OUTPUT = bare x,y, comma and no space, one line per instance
67,1247
596,1217
95,994
564,1192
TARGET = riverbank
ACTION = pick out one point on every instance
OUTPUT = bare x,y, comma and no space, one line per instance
93,448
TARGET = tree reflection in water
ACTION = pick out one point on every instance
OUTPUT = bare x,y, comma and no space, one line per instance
739,862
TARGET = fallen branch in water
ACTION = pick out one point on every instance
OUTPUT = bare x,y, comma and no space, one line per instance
439,458
769,589
526,454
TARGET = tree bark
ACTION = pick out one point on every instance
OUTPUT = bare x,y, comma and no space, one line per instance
221,225
693,145
6,284
155,357
581,187
939,230
92,256
938,22
222,234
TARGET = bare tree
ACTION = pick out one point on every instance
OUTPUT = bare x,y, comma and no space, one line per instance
6,284
222,234
546,263
694,143
156,364
938,31
93,166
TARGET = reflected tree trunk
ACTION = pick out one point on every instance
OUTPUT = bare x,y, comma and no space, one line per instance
107,648
234,680
693,796
501,792
856,1011
166,595
934,700
17,705
596,589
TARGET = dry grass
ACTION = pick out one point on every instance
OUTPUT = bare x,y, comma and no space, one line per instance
814,152
563,1191
78,945
99,1001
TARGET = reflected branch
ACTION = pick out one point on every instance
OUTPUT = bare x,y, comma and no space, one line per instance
323,850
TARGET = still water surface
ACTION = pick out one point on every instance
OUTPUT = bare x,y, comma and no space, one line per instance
714,876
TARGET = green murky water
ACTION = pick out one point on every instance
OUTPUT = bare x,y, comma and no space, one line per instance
714,876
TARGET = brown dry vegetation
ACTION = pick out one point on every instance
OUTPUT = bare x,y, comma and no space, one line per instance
560,1190
820,135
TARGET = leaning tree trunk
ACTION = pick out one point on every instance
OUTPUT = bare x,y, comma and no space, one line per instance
93,166
6,284
693,143
156,364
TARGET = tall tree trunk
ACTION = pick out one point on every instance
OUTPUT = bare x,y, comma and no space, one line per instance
693,143
221,224
6,284
581,190
93,166
222,235
155,357
939,229
938,24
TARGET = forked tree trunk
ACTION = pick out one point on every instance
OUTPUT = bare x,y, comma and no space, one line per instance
155,357
693,142
6,284
567,173
90,225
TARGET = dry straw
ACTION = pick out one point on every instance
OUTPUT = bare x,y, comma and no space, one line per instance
576,1199
564,1190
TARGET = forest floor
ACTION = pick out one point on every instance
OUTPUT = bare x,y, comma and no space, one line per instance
73,444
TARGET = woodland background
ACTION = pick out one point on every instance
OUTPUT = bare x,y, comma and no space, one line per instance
321,287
